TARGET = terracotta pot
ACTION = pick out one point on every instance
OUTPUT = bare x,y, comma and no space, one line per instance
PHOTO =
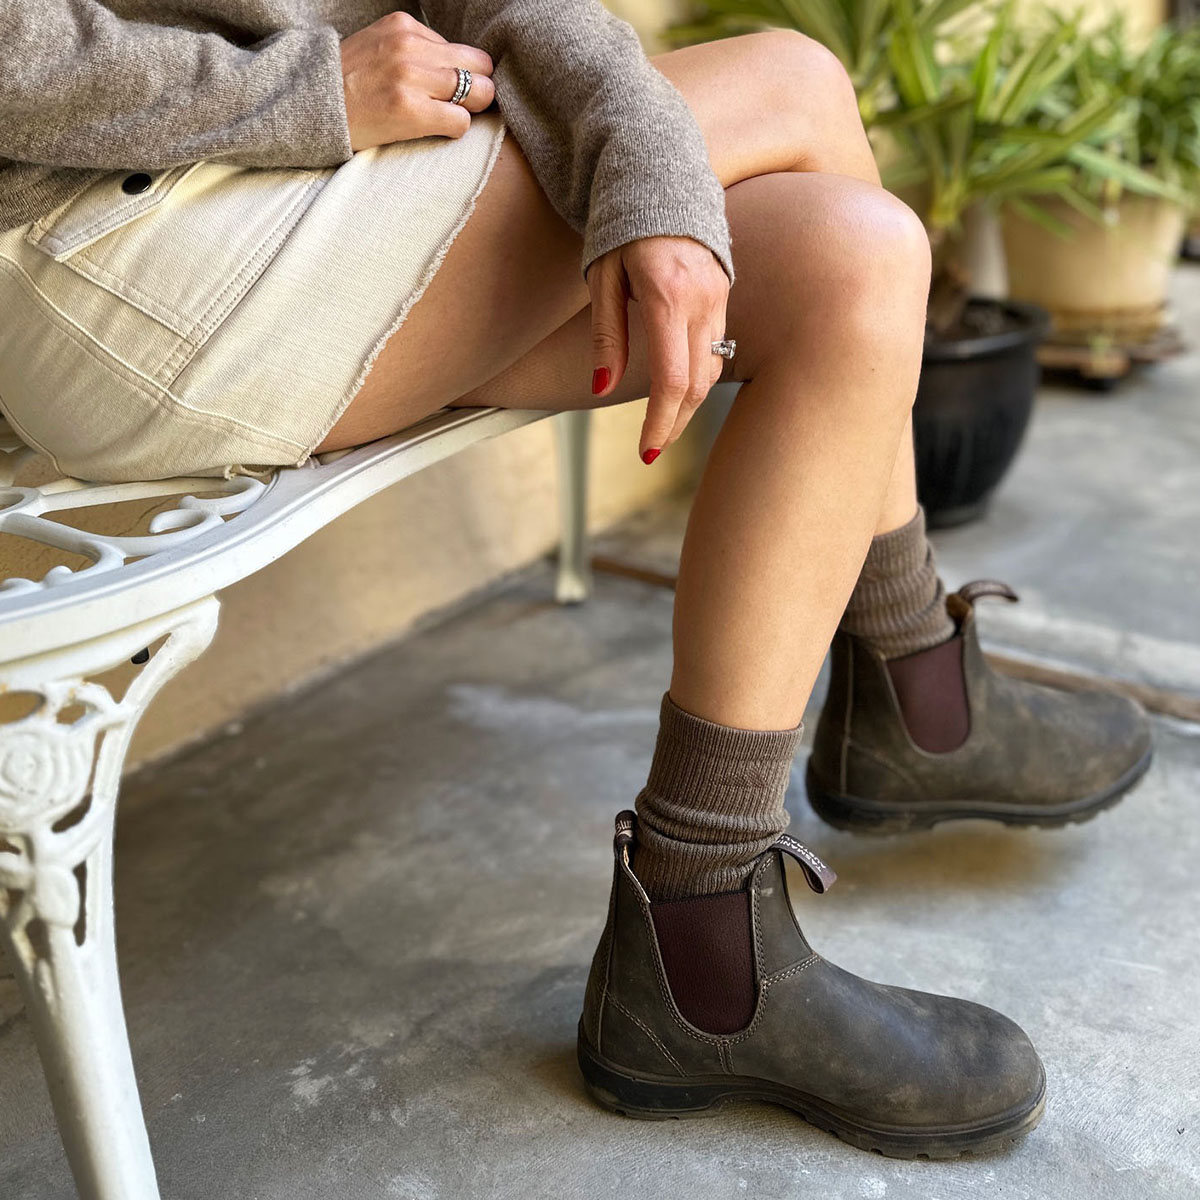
1104,279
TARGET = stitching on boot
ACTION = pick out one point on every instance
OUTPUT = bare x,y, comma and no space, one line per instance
762,999
726,1061
649,1033
765,992
608,949
610,939
794,969
755,890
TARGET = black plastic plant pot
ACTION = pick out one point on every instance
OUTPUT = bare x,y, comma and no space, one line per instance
973,406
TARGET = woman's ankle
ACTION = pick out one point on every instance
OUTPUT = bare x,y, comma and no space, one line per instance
712,804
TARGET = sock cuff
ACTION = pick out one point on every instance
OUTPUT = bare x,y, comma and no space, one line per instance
899,602
702,736
725,771
899,551
712,803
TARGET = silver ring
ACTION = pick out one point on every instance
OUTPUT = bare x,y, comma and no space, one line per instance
463,90
726,348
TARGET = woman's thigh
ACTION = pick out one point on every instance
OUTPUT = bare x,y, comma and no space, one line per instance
772,102
512,276
509,279
832,275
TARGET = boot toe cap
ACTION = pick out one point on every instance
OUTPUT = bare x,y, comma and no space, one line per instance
1011,1075
981,1068
1112,739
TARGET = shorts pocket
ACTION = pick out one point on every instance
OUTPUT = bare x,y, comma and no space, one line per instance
183,250
102,208
95,417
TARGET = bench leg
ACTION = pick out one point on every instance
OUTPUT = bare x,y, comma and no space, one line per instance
572,429
60,770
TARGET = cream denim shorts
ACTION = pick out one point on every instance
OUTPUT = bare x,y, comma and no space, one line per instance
215,320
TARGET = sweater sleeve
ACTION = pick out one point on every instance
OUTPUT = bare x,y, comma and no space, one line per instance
611,140
81,87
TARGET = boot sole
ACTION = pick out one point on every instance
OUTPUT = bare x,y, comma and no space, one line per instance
653,1098
857,815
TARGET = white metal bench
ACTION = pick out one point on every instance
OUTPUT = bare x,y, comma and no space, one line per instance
152,599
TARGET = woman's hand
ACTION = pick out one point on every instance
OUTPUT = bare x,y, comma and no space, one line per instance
399,76
681,292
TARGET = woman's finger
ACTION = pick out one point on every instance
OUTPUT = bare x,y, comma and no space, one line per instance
609,294
700,359
458,54
670,374
441,118
719,333
443,82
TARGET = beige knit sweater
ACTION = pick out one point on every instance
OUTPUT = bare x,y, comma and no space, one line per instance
88,87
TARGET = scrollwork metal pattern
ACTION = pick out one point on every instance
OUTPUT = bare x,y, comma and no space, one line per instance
25,511
45,768
59,777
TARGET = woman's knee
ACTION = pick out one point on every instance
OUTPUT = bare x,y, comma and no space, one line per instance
803,65
885,248
826,262
852,245
806,83
771,102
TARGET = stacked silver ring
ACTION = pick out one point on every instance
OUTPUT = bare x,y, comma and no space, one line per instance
726,348
463,90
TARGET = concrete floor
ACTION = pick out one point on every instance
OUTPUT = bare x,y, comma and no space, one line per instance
354,935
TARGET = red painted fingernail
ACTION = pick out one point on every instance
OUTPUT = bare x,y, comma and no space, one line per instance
600,377
648,456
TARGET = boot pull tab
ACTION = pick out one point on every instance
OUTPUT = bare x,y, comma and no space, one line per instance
623,838
978,588
819,875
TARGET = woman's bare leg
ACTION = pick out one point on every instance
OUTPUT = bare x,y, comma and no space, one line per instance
900,504
815,128
828,311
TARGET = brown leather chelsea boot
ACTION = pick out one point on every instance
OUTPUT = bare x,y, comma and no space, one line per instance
905,743
699,1002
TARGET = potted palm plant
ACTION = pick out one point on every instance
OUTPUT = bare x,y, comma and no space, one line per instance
961,113
968,117
857,31
1099,258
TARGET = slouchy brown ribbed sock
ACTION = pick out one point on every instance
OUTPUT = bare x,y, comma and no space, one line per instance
899,603
712,804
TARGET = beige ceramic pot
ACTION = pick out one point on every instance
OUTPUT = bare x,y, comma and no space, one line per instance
1105,279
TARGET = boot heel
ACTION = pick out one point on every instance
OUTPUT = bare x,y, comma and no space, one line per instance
646,1099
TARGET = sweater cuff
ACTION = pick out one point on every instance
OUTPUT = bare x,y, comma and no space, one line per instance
658,221
320,133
